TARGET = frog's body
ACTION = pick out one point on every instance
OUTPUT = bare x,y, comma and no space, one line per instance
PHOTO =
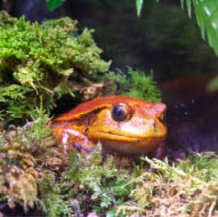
122,124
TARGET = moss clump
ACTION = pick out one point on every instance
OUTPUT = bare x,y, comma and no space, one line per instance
33,171
135,84
41,63
27,154
88,185
185,189
119,187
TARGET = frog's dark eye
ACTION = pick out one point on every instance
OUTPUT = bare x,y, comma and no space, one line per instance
120,112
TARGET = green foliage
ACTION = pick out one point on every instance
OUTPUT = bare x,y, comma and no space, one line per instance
213,85
53,4
115,189
102,181
51,199
139,4
37,128
20,149
183,189
111,186
2,143
41,63
136,84
204,166
33,134
89,184
206,12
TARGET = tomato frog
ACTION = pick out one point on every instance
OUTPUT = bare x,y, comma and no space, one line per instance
123,125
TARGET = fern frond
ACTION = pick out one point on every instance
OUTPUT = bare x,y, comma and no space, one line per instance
206,12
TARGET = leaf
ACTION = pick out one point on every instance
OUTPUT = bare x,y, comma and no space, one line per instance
206,12
189,7
139,4
53,4
182,4
213,84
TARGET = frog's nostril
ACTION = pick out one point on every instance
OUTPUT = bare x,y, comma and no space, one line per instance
154,125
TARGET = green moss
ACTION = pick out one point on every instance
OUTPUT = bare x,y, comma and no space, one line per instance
135,84
119,187
187,188
114,186
92,183
39,62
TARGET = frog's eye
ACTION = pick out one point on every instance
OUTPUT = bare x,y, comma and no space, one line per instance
121,112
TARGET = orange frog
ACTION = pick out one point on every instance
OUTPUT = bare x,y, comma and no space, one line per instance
121,124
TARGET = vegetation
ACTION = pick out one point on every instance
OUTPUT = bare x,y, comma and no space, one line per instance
33,171
206,15
117,187
108,187
89,185
205,11
183,189
41,63
24,152
53,4
136,84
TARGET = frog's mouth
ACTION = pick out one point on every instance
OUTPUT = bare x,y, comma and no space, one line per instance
130,144
131,138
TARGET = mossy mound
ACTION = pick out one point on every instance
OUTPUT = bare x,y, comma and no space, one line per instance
34,173
41,63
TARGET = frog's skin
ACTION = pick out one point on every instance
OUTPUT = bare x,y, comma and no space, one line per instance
139,129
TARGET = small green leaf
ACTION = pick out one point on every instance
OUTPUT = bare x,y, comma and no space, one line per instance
182,4
213,84
189,7
53,4
139,4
